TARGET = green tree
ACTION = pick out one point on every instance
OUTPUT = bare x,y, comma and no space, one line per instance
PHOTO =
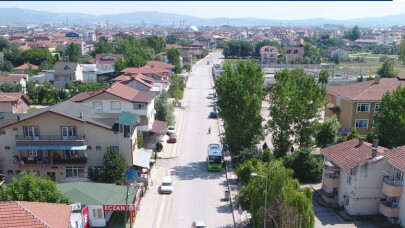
247,154
158,44
139,139
238,48
7,66
164,110
171,39
103,46
183,43
288,205
336,58
305,165
370,137
3,43
32,188
390,122
327,131
13,54
241,96
37,56
355,34
176,83
173,54
8,87
114,166
119,65
387,70
324,77
73,52
402,50
134,60
295,104
353,134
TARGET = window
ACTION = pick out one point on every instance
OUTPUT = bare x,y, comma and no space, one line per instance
115,105
127,131
10,172
30,131
139,106
15,128
7,147
376,107
89,148
337,101
32,153
74,171
362,124
17,171
98,147
347,201
116,148
349,179
2,132
99,213
98,105
71,153
373,126
363,107
68,132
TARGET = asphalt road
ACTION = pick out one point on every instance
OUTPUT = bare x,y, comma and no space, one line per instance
198,194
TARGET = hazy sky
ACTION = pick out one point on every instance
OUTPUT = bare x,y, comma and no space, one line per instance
212,9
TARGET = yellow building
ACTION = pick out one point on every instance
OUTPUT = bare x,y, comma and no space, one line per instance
356,104
63,140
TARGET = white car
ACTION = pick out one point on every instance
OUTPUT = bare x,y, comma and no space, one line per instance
210,96
171,130
167,186
198,224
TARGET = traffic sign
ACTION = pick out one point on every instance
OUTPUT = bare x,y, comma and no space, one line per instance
240,212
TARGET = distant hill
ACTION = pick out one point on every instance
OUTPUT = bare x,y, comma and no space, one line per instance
23,16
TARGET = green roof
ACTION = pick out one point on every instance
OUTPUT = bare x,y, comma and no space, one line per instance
127,118
89,193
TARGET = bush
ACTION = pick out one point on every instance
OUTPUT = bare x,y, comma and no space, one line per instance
247,154
139,139
306,166
159,146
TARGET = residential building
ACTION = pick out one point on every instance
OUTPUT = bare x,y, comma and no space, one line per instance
25,66
343,53
65,72
268,54
118,98
14,103
352,176
140,82
292,53
34,214
367,43
15,79
158,64
105,62
355,104
393,204
65,139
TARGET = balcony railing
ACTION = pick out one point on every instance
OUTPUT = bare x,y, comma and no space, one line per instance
329,198
72,160
394,182
331,175
49,138
56,160
392,187
389,210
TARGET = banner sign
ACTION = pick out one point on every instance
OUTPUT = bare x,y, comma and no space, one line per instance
86,221
118,207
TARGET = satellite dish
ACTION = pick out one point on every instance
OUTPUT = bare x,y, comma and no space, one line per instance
86,155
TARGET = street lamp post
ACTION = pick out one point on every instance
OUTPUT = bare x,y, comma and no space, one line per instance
265,199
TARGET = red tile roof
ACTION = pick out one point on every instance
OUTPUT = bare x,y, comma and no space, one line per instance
396,156
11,78
119,90
145,70
9,97
159,64
26,66
122,78
33,214
98,59
349,154
262,49
159,126
366,91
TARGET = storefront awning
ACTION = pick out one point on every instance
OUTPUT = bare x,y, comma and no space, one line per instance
50,147
142,158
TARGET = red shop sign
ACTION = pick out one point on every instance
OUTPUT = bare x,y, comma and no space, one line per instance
118,208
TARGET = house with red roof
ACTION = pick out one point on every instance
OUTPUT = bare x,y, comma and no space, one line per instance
105,62
20,69
159,75
353,175
34,214
118,98
158,64
15,79
355,104
268,54
139,82
14,103
292,53
343,53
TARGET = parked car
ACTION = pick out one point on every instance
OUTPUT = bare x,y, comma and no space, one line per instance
198,224
210,96
171,130
172,138
167,186
213,115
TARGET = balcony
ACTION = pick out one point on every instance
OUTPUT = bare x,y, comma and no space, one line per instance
389,210
71,160
56,160
329,198
46,140
331,180
392,188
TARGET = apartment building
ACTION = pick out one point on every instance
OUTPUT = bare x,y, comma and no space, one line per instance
63,140
352,176
14,103
268,54
356,104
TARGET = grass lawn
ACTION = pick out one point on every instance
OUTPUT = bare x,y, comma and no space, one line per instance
371,67
232,61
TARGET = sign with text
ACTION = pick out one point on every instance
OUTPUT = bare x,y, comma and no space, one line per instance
76,206
118,207
86,220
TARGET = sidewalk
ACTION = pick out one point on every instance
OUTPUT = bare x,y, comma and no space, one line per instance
149,203
233,185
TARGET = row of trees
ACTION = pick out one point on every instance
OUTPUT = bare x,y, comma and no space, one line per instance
243,49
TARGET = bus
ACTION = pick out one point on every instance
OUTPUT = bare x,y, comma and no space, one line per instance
214,158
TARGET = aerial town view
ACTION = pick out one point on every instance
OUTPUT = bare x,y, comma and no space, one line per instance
202,114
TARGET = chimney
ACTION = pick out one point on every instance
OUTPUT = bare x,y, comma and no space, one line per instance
361,140
373,152
81,115
375,143
377,80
